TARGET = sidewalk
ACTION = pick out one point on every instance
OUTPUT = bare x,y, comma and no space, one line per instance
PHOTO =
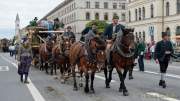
153,62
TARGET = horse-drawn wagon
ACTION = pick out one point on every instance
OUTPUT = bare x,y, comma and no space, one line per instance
35,39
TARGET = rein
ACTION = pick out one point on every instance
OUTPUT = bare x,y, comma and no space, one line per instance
120,51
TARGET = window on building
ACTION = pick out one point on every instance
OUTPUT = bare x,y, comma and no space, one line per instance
106,17
96,4
97,16
137,37
129,16
152,11
167,9
123,6
144,36
74,16
178,30
88,5
88,16
140,35
123,15
114,5
144,13
136,14
106,5
139,13
178,6
74,5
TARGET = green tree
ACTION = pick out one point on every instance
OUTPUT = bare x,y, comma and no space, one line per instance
100,24
33,22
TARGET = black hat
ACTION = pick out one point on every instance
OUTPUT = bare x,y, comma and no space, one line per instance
69,27
164,34
116,17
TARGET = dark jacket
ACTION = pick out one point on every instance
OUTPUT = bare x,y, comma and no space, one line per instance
161,48
86,30
69,34
141,48
109,30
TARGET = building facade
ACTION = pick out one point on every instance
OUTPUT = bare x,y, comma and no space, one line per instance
77,13
151,17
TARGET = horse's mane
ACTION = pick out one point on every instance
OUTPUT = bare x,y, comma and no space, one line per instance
101,43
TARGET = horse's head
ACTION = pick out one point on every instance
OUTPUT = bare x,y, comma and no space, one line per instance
127,39
66,43
99,46
49,45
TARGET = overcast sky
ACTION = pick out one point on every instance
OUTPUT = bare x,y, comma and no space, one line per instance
27,10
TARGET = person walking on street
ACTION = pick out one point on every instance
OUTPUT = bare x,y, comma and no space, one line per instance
152,49
141,49
24,60
163,52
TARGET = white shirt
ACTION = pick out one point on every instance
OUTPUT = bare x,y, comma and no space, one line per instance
114,28
152,49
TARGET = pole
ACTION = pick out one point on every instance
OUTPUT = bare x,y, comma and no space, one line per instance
162,15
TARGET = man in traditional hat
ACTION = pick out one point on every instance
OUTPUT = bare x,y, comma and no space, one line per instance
163,52
113,28
70,34
110,34
93,29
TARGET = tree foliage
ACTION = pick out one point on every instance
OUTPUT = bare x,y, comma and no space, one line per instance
100,24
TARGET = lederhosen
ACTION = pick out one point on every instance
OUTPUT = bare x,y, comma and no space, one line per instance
164,60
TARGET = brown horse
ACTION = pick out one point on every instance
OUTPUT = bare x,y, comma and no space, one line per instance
45,53
122,56
60,54
79,57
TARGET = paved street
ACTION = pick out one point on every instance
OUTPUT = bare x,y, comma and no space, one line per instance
47,88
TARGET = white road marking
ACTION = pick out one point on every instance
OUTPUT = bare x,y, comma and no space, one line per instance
33,90
163,97
168,75
4,68
103,78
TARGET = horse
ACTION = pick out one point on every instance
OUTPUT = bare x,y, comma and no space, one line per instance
60,53
79,56
45,54
122,56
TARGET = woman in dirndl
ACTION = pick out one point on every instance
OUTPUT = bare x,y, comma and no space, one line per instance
24,59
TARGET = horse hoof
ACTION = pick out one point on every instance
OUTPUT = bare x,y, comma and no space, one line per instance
125,93
86,90
75,89
92,91
107,86
131,77
62,81
80,85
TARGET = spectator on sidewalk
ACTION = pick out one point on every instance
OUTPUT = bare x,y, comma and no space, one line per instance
163,52
152,49
141,50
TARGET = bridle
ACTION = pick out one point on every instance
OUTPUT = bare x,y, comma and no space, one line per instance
119,46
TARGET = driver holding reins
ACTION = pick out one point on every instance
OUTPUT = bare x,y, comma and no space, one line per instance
110,34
